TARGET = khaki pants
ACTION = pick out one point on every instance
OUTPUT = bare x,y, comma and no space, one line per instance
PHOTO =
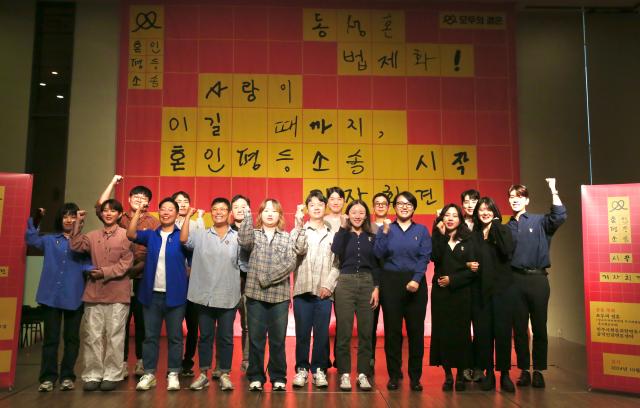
103,337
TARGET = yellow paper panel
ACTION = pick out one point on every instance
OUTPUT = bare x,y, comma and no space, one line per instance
354,126
429,193
250,125
425,162
178,159
354,59
250,90
285,91
179,124
388,59
423,59
284,125
354,25
619,220
387,25
390,162
622,365
137,80
309,184
320,161
154,80
389,127
5,361
390,188
4,270
215,124
249,159
285,160
619,277
320,126
7,317
138,63
621,257
457,60
137,47
215,90
213,159
460,162
146,21
357,190
319,24
155,47
155,64
614,322
356,161
467,20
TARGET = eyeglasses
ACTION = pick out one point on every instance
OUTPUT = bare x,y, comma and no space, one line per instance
220,209
404,204
140,197
380,204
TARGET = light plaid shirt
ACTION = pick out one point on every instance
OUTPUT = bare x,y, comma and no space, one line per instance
317,268
270,262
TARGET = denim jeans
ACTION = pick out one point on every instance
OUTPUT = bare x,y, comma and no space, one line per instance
215,323
267,319
154,314
311,312
53,320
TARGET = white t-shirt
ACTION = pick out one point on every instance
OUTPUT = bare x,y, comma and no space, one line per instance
160,282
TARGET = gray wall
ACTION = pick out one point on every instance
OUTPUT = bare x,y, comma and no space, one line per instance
552,120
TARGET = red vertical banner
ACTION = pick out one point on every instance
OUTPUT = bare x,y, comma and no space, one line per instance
611,246
15,201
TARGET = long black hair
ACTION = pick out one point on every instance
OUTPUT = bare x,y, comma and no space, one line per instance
462,232
366,225
488,201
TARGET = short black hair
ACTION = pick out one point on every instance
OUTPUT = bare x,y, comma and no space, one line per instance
472,193
218,200
337,190
462,232
66,209
386,196
113,204
182,193
141,190
168,200
317,194
240,197
410,198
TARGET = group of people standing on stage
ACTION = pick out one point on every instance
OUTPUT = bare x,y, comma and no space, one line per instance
489,276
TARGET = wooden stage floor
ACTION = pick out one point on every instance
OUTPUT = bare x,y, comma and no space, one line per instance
566,387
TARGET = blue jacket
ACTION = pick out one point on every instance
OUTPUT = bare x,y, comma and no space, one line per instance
175,267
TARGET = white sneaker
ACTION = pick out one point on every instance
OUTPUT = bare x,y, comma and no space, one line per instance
301,377
255,386
139,368
320,379
216,373
345,382
173,382
67,385
46,386
125,370
146,382
363,382
225,382
200,382
279,386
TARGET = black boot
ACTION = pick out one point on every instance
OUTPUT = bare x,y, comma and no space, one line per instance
525,379
488,383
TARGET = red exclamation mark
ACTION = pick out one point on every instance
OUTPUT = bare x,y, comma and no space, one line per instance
456,60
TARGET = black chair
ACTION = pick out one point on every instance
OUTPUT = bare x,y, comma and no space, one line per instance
30,326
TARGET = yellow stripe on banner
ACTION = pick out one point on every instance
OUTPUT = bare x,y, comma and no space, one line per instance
622,365
7,317
5,361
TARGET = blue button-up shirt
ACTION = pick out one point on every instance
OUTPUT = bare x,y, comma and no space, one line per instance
175,259
404,251
215,274
62,280
532,237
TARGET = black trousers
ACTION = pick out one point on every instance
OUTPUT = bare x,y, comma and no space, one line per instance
493,329
398,304
135,311
374,334
54,318
531,301
481,323
191,317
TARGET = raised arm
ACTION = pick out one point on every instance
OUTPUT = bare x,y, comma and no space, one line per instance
132,231
558,214
79,242
245,232
32,235
184,232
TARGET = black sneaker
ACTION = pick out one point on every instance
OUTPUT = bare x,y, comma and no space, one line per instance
506,384
525,379
106,385
448,384
187,372
392,384
91,385
538,380
488,383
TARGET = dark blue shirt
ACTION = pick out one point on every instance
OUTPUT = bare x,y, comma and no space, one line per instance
355,253
532,237
62,280
404,251
175,258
